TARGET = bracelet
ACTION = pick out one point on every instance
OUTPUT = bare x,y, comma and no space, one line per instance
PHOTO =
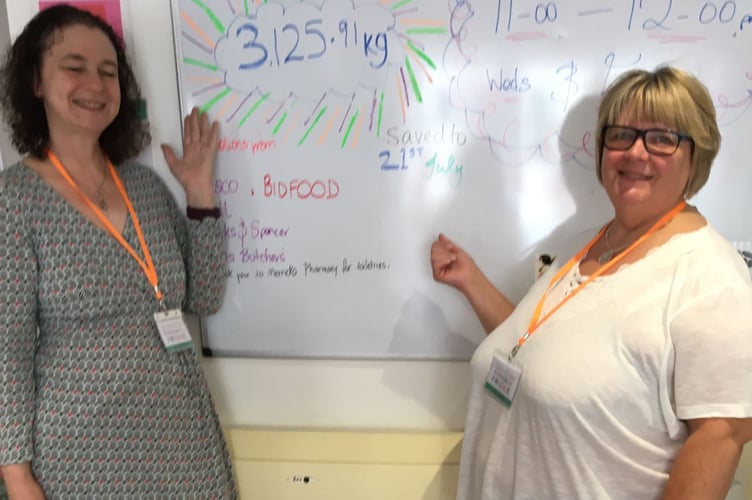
202,213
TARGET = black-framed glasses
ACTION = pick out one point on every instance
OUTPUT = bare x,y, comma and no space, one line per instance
657,141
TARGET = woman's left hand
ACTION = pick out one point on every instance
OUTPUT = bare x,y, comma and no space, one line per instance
195,170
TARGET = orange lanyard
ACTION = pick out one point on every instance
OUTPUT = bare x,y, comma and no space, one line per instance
147,265
535,322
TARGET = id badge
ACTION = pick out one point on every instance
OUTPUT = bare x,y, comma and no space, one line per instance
502,379
172,329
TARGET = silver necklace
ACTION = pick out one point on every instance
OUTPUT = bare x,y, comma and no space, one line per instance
610,252
102,203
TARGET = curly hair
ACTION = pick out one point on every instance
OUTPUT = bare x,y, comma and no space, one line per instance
21,71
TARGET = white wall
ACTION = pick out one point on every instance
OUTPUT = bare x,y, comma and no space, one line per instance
8,154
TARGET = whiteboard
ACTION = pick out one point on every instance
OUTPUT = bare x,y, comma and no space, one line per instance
353,132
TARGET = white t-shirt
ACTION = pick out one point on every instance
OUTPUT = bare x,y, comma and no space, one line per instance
608,379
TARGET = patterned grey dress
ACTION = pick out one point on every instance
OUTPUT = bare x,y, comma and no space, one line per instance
93,399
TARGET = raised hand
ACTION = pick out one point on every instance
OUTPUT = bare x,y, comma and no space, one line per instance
195,169
451,265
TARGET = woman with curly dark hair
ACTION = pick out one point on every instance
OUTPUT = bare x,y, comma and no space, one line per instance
101,391
24,111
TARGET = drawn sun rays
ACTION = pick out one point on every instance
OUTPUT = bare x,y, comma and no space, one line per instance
285,115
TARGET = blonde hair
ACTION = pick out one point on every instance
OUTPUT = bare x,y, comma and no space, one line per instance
670,96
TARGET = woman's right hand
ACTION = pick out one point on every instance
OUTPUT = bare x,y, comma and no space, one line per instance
451,265
20,483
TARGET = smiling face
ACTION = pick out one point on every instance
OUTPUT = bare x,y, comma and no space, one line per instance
78,83
636,180
667,98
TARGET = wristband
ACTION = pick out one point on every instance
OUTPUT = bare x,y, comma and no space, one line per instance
202,213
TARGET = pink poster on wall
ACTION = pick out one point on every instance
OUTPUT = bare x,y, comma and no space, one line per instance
109,10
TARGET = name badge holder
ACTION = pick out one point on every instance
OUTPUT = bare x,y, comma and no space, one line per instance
502,380
173,330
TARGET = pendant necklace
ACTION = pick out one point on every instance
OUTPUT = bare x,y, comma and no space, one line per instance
99,199
610,252
102,203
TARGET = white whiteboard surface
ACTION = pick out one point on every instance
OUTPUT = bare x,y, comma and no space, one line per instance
354,132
